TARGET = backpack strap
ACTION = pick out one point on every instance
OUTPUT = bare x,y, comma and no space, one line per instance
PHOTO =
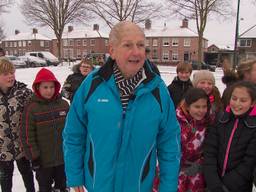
156,93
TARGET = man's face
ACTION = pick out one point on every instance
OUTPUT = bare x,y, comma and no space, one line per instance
7,80
129,52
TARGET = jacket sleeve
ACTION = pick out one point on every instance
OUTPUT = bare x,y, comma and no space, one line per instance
28,133
244,172
210,170
74,138
168,147
66,90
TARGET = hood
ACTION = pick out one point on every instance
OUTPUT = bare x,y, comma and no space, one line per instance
42,76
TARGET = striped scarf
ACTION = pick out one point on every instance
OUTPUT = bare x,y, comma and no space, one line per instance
126,86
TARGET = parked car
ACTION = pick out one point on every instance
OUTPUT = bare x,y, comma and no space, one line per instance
32,61
17,62
46,55
196,65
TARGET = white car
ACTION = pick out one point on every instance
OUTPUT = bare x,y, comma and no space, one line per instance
17,62
46,55
32,61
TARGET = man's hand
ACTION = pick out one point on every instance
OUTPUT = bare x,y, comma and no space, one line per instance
79,189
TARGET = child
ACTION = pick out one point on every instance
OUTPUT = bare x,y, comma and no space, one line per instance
181,83
74,80
42,124
205,80
230,152
193,116
13,97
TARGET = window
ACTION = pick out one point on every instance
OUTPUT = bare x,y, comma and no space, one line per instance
186,56
147,42
165,55
6,44
175,42
65,42
46,43
187,42
29,43
23,43
154,54
68,53
78,53
175,56
41,43
106,42
85,53
71,42
20,43
155,42
78,43
92,42
14,44
166,42
245,42
10,43
84,42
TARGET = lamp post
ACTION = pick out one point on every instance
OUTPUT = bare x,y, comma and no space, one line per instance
235,59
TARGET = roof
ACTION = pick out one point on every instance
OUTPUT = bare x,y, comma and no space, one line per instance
83,33
170,32
27,36
249,33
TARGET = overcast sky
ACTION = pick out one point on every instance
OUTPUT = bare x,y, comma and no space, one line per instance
218,32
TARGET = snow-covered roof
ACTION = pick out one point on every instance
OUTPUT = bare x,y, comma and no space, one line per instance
83,33
27,36
249,33
170,32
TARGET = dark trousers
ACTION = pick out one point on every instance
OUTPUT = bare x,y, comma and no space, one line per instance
6,174
46,176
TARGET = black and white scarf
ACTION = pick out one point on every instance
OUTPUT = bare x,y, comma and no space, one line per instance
126,86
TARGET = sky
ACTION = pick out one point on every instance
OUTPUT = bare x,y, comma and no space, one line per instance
218,31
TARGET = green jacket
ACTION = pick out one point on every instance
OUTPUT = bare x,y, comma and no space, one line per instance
41,130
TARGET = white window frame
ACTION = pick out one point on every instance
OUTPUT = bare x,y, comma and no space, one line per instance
247,42
41,43
187,42
92,42
165,55
147,42
175,42
78,43
24,43
20,43
166,41
155,42
175,56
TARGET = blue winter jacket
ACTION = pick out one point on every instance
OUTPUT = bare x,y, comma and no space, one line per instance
108,150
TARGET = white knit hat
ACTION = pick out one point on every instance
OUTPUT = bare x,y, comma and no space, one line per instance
202,75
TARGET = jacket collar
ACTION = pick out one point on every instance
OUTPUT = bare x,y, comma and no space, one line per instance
106,70
249,118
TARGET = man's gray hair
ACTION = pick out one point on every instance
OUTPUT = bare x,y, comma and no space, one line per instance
116,32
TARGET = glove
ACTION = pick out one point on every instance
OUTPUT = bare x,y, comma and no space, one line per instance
36,164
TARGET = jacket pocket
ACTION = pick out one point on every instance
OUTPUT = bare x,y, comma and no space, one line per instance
91,161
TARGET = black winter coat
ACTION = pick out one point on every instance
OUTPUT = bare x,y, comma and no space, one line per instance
177,89
242,155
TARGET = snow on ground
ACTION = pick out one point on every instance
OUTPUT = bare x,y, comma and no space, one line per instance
62,71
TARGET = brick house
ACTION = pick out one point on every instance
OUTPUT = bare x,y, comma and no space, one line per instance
79,43
19,43
247,43
170,46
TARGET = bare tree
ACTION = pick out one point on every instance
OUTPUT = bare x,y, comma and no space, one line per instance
200,10
55,14
113,11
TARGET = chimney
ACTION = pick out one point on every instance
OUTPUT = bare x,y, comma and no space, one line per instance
184,23
148,24
34,31
96,27
16,31
70,28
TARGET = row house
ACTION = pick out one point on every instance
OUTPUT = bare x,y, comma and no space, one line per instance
20,43
170,46
79,43
247,43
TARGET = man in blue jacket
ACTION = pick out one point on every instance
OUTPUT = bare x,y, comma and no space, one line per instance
121,122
